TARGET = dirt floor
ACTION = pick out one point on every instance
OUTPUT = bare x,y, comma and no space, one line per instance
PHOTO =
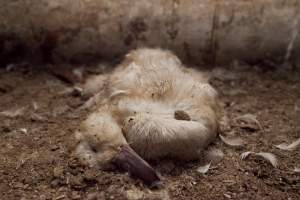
36,142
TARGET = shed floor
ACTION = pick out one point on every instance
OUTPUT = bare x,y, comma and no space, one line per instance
36,146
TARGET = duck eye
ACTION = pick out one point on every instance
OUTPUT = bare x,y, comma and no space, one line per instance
130,119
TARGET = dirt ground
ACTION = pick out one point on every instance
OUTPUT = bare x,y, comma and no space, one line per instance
36,142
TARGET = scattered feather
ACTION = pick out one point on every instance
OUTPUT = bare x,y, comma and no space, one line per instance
203,169
246,154
13,113
37,117
23,130
290,147
35,105
227,196
297,170
235,142
270,157
249,121
78,72
73,91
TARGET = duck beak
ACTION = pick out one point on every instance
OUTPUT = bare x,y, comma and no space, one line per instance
128,160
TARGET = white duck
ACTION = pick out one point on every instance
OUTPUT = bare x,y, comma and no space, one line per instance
153,105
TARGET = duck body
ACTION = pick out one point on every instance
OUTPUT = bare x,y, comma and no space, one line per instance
156,106
155,86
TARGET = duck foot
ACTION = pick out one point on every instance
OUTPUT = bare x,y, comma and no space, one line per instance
127,159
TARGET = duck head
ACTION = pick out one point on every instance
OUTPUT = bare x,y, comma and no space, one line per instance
102,144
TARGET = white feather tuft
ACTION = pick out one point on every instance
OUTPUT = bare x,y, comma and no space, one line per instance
297,169
246,154
270,157
204,169
78,72
35,105
290,147
23,130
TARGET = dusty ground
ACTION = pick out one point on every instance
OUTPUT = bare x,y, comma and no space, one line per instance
36,146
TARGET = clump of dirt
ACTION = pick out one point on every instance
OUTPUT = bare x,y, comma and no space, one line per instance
36,145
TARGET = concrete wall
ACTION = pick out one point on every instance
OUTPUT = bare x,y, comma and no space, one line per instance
199,31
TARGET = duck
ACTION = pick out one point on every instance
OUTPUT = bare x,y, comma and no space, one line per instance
152,107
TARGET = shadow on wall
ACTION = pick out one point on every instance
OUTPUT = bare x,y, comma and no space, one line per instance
11,49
